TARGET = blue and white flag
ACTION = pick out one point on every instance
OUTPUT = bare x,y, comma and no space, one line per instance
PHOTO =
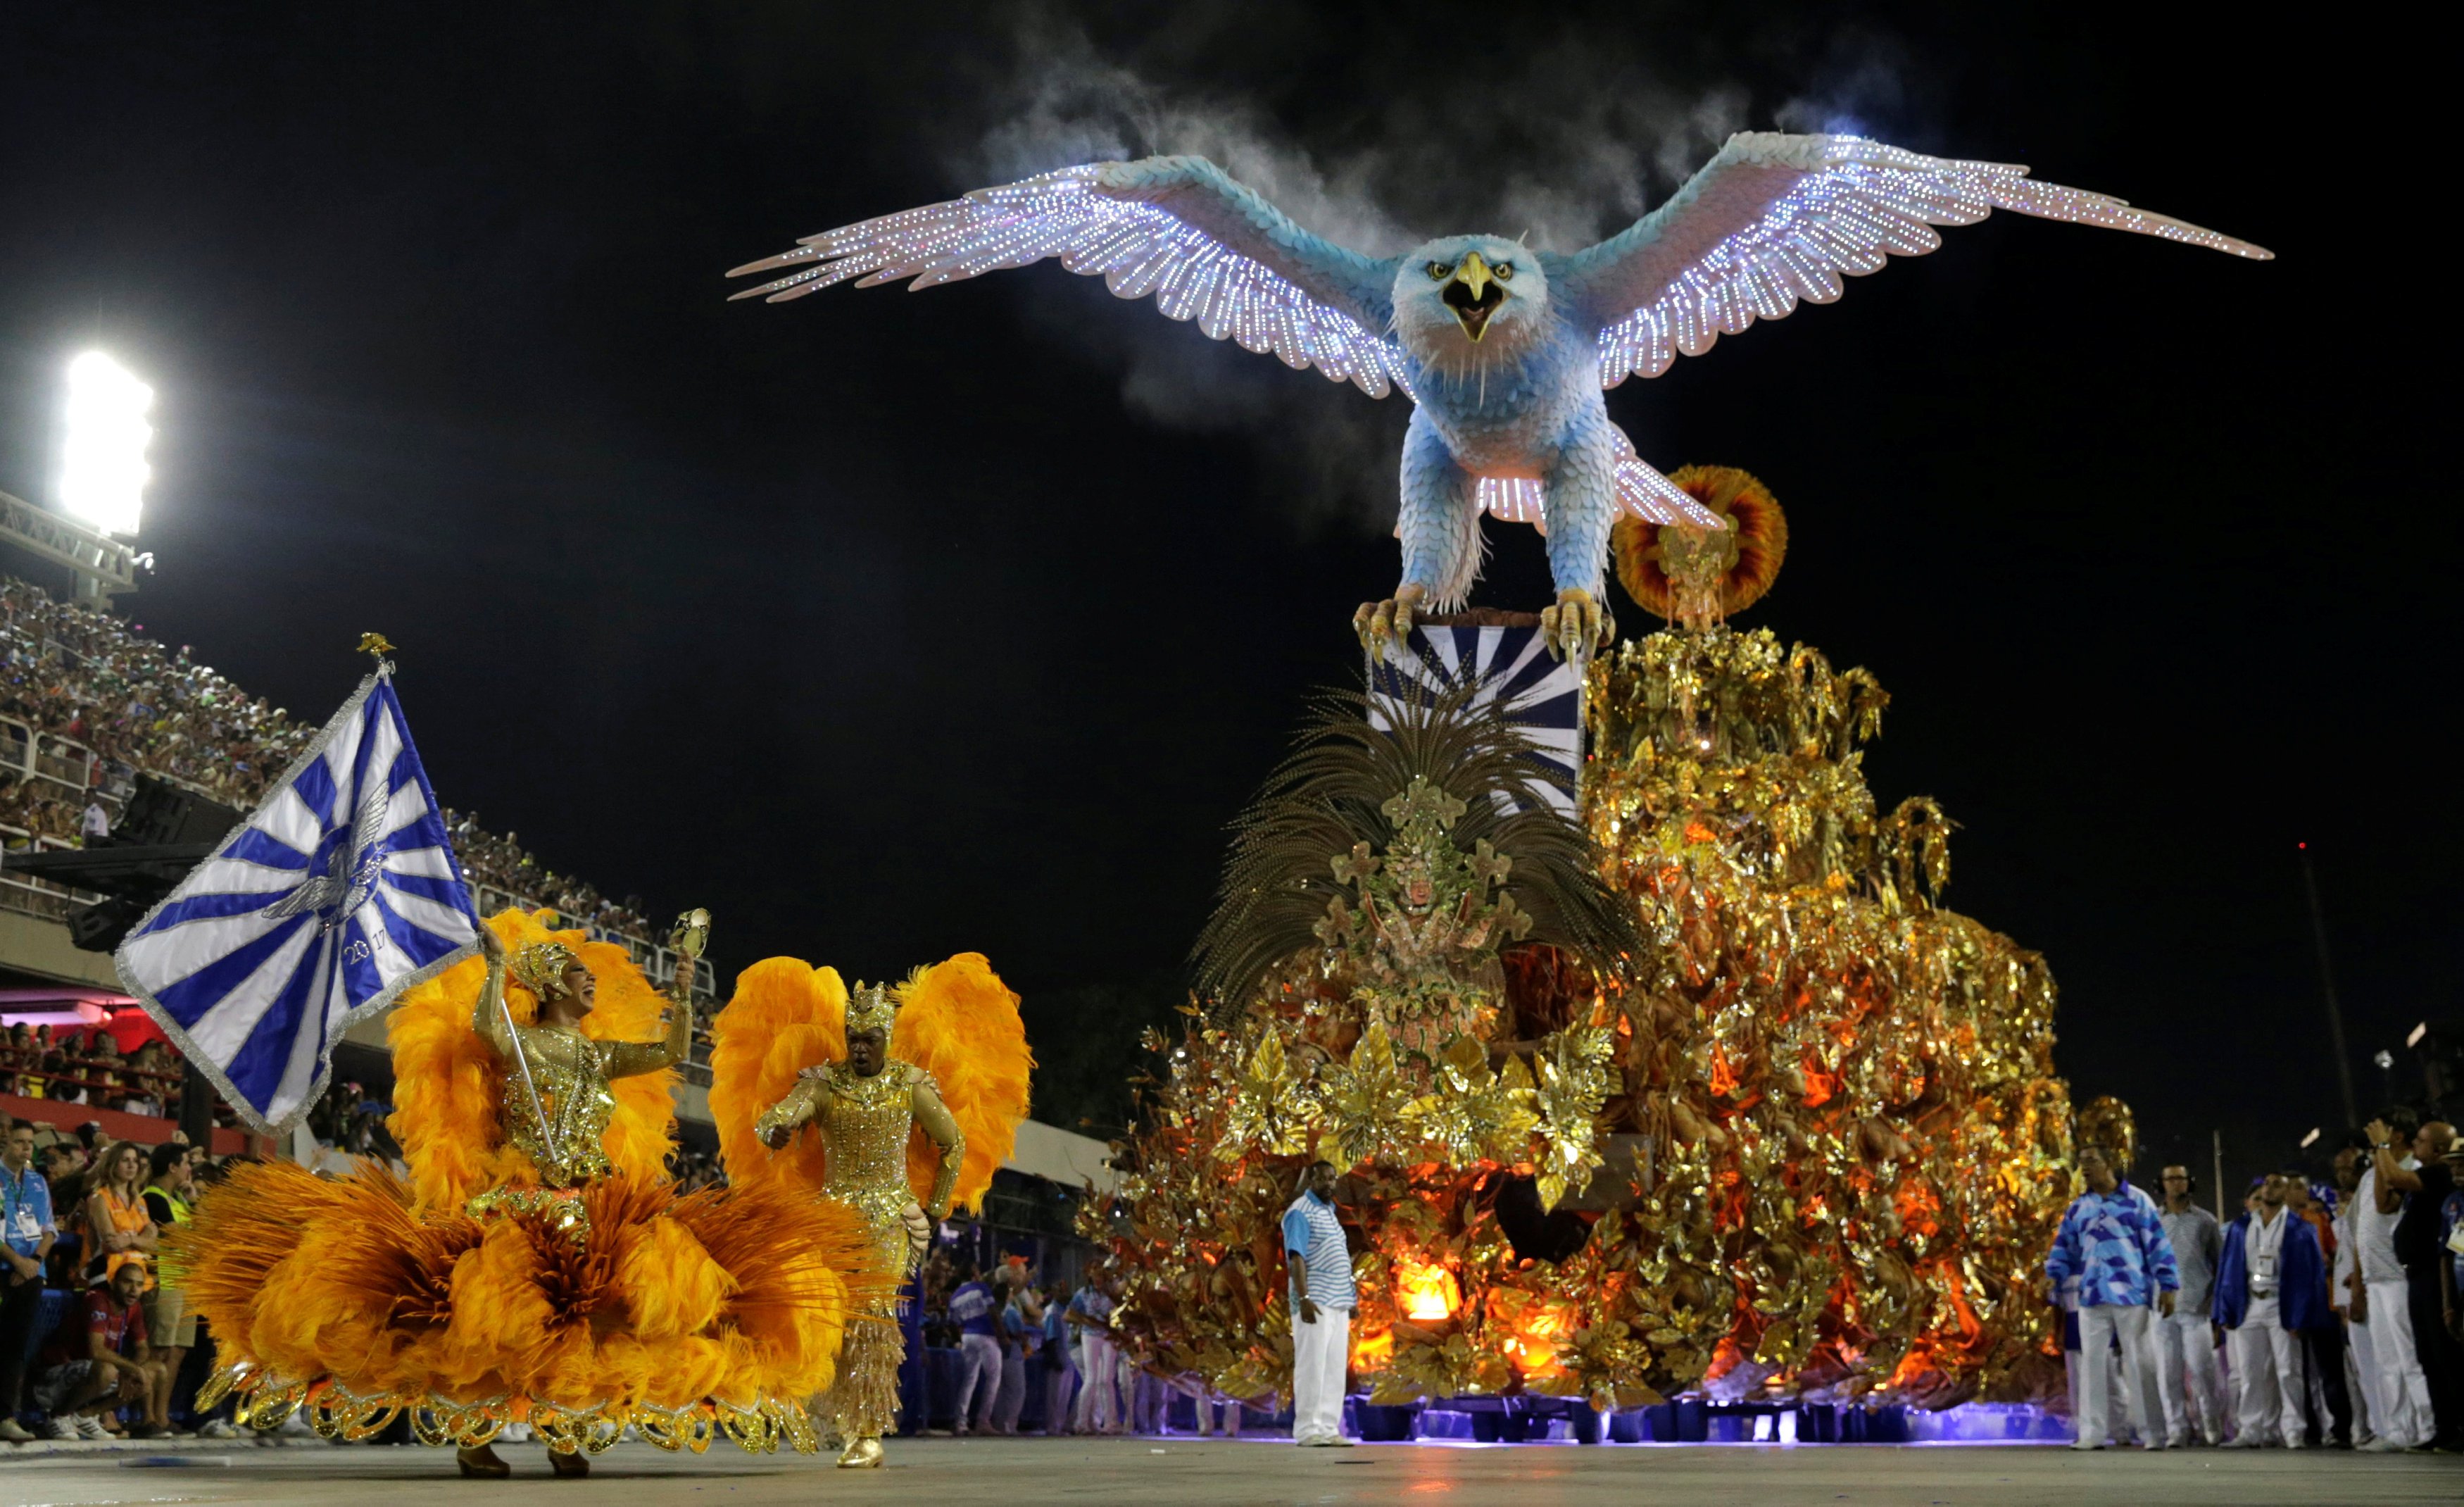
338,892
1512,668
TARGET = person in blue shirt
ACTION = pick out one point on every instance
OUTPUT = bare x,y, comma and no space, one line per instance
1322,1298
2112,1241
975,1309
26,1232
2270,1285
1058,1374
1022,1331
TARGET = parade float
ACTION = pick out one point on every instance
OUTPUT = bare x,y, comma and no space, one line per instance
1705,1093
1653,1062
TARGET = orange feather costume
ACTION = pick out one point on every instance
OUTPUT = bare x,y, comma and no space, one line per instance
685,1317
951,1094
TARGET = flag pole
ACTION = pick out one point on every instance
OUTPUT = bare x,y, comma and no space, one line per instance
376,646
523,1060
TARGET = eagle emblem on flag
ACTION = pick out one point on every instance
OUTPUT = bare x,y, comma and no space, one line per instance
338,892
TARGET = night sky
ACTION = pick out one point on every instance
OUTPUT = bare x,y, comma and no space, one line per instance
891,627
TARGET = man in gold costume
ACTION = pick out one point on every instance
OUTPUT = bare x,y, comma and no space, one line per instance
866,1107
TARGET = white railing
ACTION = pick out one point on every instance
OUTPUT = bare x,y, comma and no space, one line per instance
29,895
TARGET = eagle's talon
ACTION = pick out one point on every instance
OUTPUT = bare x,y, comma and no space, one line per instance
1578,620
1385,625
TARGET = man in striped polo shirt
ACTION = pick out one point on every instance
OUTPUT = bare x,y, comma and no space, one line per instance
1322,1298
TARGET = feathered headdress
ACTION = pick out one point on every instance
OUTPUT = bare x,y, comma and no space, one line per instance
1348,783
871,1008
541,967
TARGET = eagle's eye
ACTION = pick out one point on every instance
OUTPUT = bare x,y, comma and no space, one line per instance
1502,272
1440,270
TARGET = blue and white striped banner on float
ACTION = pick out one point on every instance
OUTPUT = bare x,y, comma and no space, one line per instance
1541,695
338,892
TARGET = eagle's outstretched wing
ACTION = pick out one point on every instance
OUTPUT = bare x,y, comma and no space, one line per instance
1775,218
1178,228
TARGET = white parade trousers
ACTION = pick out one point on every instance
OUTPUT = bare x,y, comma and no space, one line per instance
2185,1377
1321,1356
1095,1383
980,1361
2267,1358
2100,1326
2399,1393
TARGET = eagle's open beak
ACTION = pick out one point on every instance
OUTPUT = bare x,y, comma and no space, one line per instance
1474,295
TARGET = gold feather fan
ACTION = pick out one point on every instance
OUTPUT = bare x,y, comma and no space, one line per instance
1697,577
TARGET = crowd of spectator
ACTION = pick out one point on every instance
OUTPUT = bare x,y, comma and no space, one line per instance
1025,1356
88,1067
502,863
2318,1317
75,674
105,702
114,1352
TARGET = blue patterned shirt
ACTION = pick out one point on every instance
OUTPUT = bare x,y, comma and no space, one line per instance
2115,1245
25,1210
1312,1231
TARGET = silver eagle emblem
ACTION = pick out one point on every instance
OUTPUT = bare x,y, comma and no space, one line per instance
347,885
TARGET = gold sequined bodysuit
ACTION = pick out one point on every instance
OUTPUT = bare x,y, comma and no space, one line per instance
572,1074
865,1124
565,1133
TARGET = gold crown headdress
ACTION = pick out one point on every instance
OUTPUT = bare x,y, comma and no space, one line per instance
541,968
871,1007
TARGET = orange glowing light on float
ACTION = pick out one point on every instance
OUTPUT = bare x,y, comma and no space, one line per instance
1428,1293
1537,1331
1372,1351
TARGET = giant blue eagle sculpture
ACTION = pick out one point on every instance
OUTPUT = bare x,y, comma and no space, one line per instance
1504,350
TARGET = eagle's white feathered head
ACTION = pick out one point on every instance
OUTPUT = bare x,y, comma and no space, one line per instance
1464,302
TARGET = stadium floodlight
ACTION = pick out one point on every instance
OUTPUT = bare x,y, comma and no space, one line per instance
102,461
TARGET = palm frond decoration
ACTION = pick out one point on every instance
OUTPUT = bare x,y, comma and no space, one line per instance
1356,754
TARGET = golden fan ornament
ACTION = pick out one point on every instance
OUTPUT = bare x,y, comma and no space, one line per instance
1696,577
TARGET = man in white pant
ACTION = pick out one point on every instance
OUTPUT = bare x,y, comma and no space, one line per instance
976,1308
1323,1298
2382,1332
2185,1353
1091,1315
2270,1285
2112,1241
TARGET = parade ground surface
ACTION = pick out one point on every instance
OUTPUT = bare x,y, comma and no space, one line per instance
1006,1473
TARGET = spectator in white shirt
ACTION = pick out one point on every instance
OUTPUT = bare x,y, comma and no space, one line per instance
2400,1411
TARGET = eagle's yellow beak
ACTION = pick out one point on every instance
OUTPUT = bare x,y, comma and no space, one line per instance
1474,273
1474,295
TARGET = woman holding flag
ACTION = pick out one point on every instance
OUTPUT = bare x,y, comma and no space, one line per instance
539,1265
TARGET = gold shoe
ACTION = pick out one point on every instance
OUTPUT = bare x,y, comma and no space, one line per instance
481,1463
863,1454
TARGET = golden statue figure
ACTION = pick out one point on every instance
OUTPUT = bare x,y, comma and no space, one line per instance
865,1075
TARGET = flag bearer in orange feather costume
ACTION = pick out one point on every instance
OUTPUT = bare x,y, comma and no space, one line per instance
914,1095
539,1266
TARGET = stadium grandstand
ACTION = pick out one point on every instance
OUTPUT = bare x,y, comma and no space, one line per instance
87,705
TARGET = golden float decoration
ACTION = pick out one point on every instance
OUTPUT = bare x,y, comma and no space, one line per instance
1798,1135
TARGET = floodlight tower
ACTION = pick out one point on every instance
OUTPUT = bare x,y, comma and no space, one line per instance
102,462
98,495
